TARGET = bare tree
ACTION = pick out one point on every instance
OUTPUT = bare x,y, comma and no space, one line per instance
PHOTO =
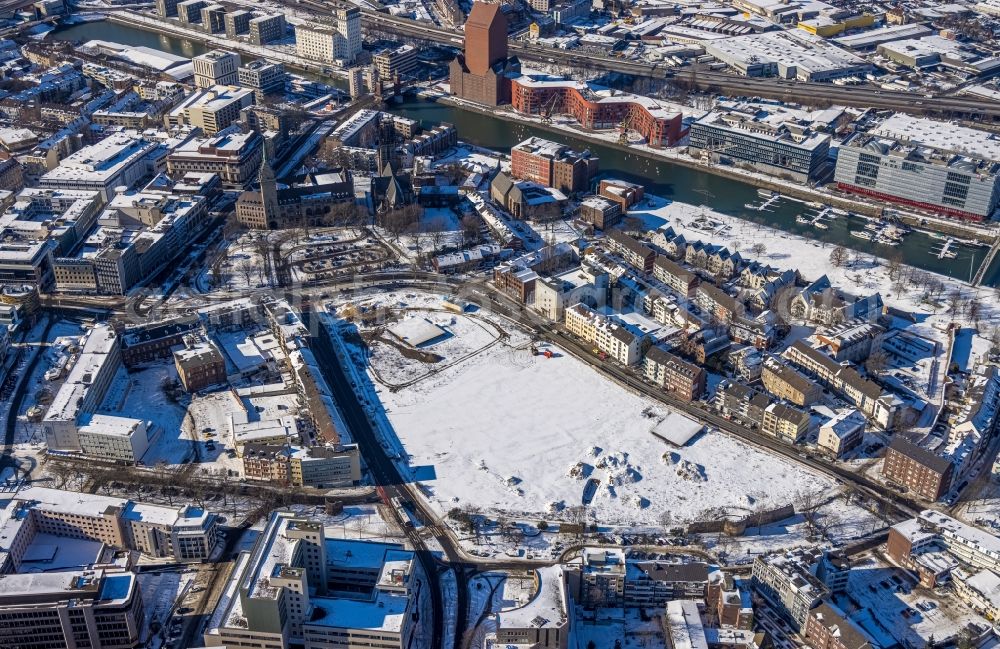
838,256
470,229
246,268
436,232
758,249
955,302
877,363
895,266
974,311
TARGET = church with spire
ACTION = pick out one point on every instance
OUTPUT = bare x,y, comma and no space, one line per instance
306,203
391,188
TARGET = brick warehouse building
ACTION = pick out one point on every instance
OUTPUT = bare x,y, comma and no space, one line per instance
597,109
478,74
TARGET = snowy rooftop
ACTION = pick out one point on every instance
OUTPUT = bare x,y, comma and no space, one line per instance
845,422
945,136
101,161
417,331
951,528
684,625
987,585
97,350
386,613
546,609
110,425
601,94
874,37
68,584
151,514
790,48
70,502
360,554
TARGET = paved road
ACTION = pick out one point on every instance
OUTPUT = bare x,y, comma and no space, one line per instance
24,382
383,470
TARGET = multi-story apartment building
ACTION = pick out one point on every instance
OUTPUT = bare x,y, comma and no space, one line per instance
263,77
138,233
786,150
166,8
348,23
234,157
212,109
716,261
828,628
553,165
716,303
189,11
553,294
652,584
237,23
787,423
922,472
919,544
624,193
180,533
597,108
850,341
84,389
602,213
610,336
98,609
784,382
787,582
199,365
266,29
619,342
674,276
741,402
943,168
330,43
682,379
634,252
545,623
730,600
121,439
316,42
843,433
315,466
297,587
599,582
215,68
395,62
981,591
213,18
878,405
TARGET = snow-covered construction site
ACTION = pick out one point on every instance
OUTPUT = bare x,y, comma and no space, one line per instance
489,420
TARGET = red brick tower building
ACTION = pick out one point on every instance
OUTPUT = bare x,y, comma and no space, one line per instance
478,73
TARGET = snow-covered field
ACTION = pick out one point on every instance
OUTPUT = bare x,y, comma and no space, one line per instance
507,431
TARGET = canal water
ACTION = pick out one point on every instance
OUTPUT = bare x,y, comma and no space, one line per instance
659,177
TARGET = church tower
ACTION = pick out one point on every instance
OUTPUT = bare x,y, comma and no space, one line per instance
268,193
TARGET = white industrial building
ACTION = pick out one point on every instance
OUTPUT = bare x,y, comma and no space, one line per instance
789,54
923,163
